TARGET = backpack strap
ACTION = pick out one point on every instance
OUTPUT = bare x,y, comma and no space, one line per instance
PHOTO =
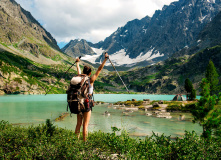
83,81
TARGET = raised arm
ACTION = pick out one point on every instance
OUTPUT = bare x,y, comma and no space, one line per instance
78,67
94,77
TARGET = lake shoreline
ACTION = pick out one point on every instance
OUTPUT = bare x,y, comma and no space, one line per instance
38,93
34,109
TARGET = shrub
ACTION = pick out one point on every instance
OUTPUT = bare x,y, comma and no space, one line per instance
37,142
190,106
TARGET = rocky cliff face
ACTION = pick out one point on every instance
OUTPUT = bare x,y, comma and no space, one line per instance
209,36
175,27
19,28
124,37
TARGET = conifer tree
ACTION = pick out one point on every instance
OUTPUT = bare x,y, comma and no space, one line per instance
208,109
205,112
191,92
212,77
204,106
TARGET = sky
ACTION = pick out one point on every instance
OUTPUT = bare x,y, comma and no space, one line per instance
92,20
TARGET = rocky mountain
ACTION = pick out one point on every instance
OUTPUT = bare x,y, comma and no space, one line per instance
19,30
210,36
175,27
76,48
168,77
121,39
30,59
114,43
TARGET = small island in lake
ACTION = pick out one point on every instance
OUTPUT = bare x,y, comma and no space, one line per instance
160,109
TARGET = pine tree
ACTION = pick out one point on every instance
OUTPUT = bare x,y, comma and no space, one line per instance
191,92
188,85
212,77
205,112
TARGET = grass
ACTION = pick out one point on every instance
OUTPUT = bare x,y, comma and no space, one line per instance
33,72
49,142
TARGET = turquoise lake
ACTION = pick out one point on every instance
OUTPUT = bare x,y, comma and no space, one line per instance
35,109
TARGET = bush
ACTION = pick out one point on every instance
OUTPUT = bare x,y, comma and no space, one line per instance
190,106
36,142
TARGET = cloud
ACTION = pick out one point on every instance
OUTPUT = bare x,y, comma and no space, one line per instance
86,19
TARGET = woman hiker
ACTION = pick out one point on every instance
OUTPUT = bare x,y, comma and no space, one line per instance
87,115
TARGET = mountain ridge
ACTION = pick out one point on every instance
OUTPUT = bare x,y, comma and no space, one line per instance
20,30
78,47
168,31
42,65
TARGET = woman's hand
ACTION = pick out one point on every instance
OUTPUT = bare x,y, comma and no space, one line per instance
77,60
77,64
106,55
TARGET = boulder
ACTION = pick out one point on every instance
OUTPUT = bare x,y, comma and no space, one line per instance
163,105
181,117
156,113
146,102
131,109
155,104
134,100
106,113
149,114
160,102
132,105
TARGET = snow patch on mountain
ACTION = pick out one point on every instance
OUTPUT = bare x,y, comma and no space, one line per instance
202,18
92,58
120,57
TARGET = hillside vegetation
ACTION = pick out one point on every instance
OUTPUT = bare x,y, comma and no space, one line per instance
162,78
19,75
49,142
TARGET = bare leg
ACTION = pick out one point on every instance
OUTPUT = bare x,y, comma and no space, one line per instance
87,116
78,125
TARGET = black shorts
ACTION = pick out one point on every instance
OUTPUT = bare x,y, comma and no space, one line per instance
87,109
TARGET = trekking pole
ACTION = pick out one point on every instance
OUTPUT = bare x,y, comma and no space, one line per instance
71,66
64,73
119,75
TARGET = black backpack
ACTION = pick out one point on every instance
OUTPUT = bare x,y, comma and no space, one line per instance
77,95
